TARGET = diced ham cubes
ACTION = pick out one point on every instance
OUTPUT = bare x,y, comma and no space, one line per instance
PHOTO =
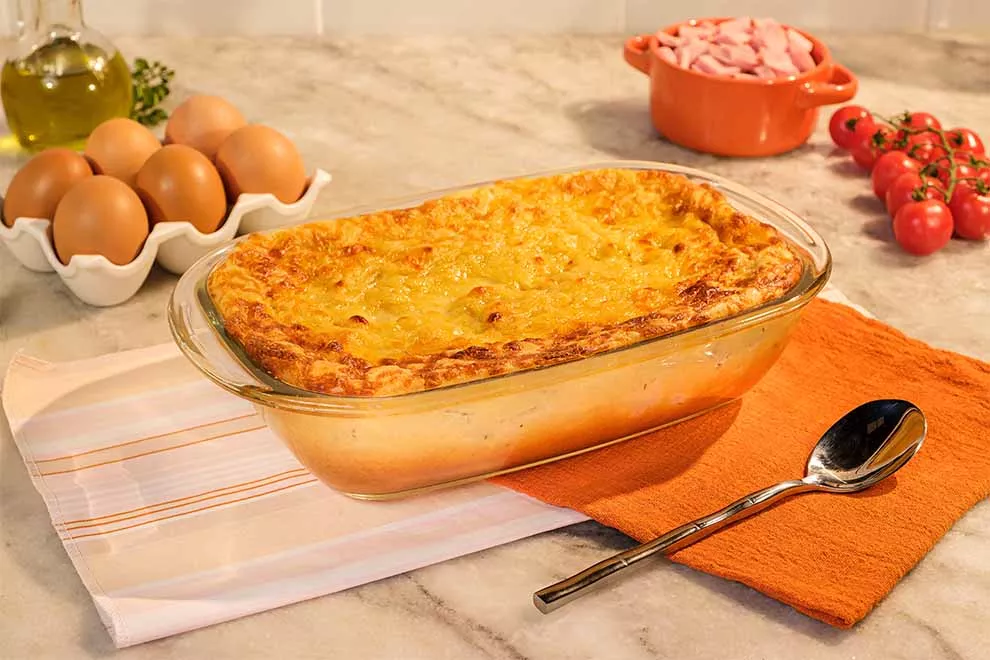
668,40
667,53
778,60
765,72
700,31
743,48
797,41
709,64
799,48
802,59
744,24
770,35
741,57
734,38
690,51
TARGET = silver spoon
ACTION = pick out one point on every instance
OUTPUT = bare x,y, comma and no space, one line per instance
866,446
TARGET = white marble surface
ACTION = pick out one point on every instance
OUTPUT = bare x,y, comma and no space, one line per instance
393,116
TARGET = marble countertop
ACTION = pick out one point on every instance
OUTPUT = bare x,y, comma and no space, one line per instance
393,116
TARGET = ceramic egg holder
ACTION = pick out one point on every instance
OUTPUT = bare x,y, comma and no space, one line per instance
95,280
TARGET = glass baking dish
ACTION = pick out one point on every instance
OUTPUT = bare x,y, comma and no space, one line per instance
389,446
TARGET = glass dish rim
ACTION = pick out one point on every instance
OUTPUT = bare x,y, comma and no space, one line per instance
276,393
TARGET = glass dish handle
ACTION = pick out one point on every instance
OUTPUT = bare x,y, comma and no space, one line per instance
196,339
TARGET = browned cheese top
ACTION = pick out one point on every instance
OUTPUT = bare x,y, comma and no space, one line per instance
501,278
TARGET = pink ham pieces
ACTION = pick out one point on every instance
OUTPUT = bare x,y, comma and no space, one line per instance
744,48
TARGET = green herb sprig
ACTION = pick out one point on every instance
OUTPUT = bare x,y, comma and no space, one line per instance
150,86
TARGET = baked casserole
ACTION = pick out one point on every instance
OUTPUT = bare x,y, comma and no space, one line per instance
505,277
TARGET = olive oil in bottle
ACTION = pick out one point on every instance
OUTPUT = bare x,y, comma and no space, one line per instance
64,81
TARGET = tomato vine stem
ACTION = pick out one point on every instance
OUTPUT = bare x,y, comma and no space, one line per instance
897,124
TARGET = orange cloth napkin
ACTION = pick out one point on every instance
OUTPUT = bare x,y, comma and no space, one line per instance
833,557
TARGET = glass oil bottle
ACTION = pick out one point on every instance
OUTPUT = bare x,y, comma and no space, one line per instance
63,78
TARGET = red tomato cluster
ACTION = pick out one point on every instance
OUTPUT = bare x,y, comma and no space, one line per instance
934,182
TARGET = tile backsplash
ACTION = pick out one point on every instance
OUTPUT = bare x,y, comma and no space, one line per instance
347,17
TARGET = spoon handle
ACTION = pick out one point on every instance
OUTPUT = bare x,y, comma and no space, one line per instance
552,597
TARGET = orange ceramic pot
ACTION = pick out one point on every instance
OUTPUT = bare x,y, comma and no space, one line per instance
732,117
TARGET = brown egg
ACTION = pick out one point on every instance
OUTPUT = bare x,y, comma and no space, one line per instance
100,215
203,122
259,159
39,186
119,147
179,183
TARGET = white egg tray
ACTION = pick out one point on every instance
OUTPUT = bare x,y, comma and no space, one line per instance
95,280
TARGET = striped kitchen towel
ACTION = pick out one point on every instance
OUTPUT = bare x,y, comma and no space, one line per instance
179,509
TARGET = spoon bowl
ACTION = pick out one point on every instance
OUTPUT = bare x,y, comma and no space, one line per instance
867,445
870,443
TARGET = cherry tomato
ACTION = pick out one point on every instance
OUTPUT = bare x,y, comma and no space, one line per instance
865,134
964,139
963,171
967,157
919,120
896,141
871,146
971,214
862,136
978,183
886,139
982,183
962,189
926,152
922,228
928,137
888,167
918,142
907,188
978,173
842,126
864,156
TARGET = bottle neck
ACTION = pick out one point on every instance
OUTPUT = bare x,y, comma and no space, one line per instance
63,13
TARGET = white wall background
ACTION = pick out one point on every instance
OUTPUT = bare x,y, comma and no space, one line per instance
335,17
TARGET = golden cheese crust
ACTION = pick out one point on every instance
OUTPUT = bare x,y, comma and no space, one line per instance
505,277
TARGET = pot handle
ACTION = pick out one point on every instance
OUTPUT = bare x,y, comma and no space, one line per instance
841,87
637,52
